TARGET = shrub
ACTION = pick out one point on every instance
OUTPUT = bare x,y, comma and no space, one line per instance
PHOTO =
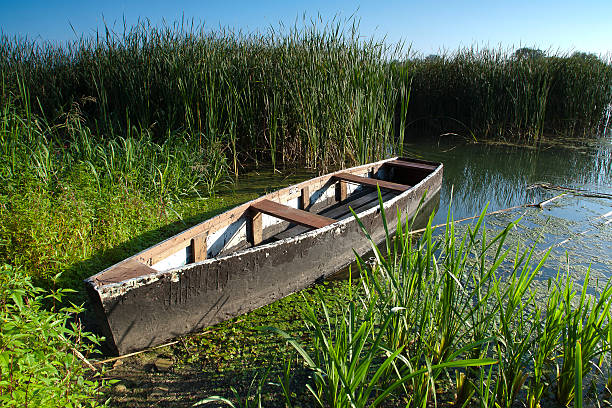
43,351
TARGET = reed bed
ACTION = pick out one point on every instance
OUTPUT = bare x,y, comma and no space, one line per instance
516,95
317,92
70,198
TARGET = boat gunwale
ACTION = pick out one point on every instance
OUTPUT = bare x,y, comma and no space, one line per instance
148,278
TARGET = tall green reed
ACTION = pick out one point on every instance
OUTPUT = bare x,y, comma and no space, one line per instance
296,93
549,324
497,93
454,297
67,192
315,91
585,325
515,327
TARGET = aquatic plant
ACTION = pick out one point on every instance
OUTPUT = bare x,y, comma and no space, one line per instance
314,91
64,198
452,304
491,93
582,336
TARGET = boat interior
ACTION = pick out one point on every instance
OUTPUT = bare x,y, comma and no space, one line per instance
287,213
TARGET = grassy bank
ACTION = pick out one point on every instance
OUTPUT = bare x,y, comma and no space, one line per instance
72,201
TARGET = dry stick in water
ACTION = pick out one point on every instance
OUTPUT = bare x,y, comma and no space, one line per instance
477,216
550,200
110,360
570,190
539,205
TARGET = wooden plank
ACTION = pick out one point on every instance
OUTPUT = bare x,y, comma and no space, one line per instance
372,182
256,228
290,214
341,191
340,212
129,269
305,198
411,165
198,247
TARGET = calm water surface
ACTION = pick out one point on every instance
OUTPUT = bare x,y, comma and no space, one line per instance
578,228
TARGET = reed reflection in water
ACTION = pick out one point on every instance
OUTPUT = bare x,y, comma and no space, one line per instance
507,176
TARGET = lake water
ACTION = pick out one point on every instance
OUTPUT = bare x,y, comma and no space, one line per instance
578,227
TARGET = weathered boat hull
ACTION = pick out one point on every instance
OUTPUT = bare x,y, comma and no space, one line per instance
148,310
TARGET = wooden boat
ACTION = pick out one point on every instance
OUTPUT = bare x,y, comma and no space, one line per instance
255,253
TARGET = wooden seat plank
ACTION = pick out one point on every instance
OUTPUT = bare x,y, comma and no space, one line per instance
291,214
411,165
363,203
129,269
351,178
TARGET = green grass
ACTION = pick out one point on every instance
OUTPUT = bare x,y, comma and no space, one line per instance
448,305
76,203
110,144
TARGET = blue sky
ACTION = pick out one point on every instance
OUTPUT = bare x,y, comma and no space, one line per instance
429,26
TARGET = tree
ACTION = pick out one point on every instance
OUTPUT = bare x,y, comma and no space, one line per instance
528,53
587,56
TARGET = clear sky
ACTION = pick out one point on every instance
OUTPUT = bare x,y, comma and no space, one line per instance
430,26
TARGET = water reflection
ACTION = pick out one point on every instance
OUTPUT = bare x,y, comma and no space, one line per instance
501,175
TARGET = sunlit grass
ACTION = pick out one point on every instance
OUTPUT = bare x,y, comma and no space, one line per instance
446,306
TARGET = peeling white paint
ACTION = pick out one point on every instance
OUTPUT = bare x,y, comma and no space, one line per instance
175,260
118,289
